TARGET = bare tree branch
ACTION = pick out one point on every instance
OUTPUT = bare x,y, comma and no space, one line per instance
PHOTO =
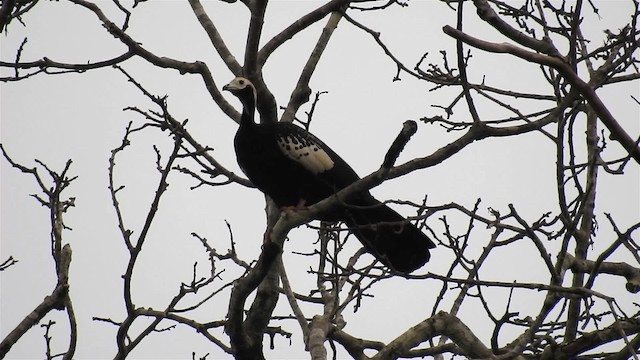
586,90
571,255
59,298
299,25
215,38
300,94
440,324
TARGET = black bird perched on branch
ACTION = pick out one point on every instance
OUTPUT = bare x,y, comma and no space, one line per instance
295,168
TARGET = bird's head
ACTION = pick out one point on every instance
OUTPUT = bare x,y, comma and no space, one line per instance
243,89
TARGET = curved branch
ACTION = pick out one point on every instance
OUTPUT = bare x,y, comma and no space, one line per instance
201,328
354,346
440,324
462,69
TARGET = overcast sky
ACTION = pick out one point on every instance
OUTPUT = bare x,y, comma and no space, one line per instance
80,117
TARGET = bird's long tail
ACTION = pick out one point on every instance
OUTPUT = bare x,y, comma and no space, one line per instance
390,237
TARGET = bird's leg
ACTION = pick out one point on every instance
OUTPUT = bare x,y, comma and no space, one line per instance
301,205
267,235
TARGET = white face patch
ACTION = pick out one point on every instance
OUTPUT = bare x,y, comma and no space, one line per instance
306,152
240,83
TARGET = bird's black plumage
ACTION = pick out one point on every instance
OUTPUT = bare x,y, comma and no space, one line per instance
293,167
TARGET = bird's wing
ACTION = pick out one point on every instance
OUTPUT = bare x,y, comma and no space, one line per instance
304,148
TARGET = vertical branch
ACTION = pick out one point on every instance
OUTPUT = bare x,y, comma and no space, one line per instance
321,324
135,249
462,65
319,328
57,208
459,257
261,310
134,246
300,94
288,291
215,38
247,343
59,297
71,317
583,234
565,215
252,69
257,8
246,334
473,271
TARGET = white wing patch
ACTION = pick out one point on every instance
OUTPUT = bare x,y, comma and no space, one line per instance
306,152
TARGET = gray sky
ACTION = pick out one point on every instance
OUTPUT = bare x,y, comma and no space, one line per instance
80,117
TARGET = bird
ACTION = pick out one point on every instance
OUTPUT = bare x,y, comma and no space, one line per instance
296,169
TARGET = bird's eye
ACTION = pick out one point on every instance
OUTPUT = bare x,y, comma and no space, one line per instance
241,82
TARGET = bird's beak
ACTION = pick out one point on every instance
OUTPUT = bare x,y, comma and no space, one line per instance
226,87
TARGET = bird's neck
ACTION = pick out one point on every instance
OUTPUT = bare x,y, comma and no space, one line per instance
247,118
248,112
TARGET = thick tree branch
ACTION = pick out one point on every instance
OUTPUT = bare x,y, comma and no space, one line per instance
244,346
50,302
408,129
261,310
584,266
487,14
257,8
591,340
440,324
